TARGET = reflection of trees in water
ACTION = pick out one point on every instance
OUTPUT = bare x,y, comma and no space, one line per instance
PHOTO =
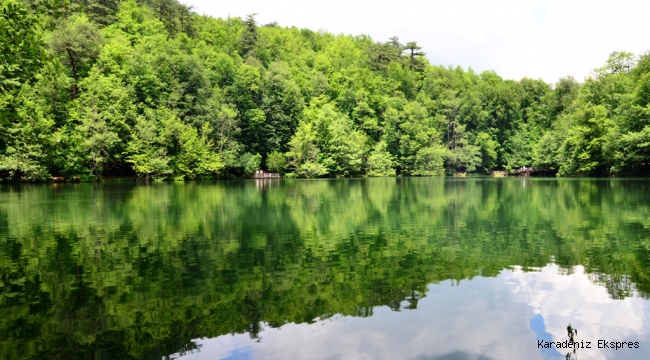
618,286
264,184
413,299
572,333
140,271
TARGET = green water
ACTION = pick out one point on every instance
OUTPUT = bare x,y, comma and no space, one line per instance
421,268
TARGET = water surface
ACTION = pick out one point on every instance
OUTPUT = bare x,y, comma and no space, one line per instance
420,268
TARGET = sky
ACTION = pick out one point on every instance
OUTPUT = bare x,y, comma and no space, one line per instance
546,39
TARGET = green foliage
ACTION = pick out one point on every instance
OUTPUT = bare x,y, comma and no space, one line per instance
382,54
225,127
235,87
162,146
343,146
276,162
194,151
249,37
175,15
380,161
429,161
488,148
250,163
147,150
27,138
303,153
462,154
98,139
282,104
22,49
77,43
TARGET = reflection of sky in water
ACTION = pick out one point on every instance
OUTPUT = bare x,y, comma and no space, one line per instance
538,326
485,318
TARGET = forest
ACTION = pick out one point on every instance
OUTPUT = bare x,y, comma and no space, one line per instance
149,89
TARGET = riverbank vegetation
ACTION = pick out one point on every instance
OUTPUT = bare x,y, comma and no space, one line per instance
150,89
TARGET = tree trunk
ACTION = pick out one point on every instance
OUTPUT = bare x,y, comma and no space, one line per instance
74,73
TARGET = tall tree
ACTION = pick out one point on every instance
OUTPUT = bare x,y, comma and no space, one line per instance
77,42
380,54
249,37
282,104
303,152
22,50
416,57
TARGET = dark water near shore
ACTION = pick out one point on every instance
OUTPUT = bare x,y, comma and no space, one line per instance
421,268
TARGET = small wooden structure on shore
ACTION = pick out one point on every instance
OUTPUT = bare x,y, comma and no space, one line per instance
524,171
260,174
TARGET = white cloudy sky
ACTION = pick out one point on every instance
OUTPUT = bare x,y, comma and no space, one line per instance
544,39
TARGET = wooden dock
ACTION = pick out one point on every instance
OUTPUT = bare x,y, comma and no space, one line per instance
524,171
260,174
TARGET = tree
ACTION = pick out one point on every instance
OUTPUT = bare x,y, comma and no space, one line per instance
303,152
104,114
561,98
147,150
250,163
461,153
99,140
102,12
224,120
246,94
620,62
77,42
276,162
364,115
344,147
380,162
176,17
162,146
194,153
416,56
583,147
429,161
249,37
27,138
381,54
22,50
23,57
409,131
227,87
282,104
488,148
627,152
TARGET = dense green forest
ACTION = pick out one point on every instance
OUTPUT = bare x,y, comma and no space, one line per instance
108,279
100,88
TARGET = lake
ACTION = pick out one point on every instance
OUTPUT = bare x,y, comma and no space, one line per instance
387,268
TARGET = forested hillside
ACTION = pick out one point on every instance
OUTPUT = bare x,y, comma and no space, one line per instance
100,88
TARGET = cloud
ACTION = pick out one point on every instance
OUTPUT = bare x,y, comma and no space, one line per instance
574,299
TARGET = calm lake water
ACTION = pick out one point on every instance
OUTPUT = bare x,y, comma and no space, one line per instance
420,268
